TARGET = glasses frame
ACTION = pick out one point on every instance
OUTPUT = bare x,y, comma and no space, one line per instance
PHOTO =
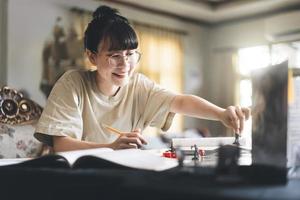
126,57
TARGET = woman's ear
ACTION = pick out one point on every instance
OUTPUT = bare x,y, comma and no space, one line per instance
91,56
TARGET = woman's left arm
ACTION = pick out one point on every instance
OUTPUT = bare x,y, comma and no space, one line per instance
194,106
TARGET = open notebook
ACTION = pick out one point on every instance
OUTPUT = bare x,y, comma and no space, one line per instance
104,158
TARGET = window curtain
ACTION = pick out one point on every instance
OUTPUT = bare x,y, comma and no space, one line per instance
162,60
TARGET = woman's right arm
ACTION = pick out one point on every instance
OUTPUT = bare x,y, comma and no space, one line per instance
125,141
65,143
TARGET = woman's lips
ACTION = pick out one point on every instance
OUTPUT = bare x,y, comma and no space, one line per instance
121,75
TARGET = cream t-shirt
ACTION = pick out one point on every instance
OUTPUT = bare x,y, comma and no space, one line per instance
78,109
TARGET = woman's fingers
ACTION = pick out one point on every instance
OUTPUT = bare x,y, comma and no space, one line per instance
247,112
127,146
237,117
234,118
137,134
241,117
131,140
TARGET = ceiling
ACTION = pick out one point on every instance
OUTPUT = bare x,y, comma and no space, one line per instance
211,11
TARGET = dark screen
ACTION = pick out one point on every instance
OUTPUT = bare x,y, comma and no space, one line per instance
269,115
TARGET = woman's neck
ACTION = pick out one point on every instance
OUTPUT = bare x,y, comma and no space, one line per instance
106,88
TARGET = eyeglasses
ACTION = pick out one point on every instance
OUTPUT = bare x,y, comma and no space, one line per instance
131,58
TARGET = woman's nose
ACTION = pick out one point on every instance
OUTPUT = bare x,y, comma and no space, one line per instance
123,63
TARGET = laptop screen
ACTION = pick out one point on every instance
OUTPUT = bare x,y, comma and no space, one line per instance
269,115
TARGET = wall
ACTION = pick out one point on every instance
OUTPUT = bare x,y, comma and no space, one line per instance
25,44
253,32
30,23
3,41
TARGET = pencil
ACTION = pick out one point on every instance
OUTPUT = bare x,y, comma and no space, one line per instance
120,133
113,130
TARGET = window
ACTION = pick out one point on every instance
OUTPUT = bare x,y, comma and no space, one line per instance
257,57
286,51
253,58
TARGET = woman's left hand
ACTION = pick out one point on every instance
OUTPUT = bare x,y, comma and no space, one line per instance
234,117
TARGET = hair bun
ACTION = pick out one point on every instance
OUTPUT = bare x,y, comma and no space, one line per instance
105,12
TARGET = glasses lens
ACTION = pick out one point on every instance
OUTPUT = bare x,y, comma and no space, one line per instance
134,58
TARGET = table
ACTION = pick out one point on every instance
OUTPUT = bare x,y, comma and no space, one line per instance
183,183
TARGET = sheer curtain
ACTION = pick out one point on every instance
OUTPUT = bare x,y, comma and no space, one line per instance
162,61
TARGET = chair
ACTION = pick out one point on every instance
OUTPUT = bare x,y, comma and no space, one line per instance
18,116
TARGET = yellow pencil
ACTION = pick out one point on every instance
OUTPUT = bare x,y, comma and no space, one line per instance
113,130
120,133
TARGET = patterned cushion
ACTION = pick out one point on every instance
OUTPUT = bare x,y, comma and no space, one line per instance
17,141
18,116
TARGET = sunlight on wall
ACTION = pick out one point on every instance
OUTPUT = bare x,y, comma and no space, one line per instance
253,58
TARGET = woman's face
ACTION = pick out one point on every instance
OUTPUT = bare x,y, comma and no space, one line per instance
116,67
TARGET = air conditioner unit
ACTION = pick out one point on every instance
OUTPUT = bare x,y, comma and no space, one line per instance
283,27
287,36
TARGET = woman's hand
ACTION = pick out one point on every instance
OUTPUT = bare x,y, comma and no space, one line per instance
129,140
234,117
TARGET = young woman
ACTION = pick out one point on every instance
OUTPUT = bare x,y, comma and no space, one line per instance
83,103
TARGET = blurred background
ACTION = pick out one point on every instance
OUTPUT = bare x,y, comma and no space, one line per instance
202,47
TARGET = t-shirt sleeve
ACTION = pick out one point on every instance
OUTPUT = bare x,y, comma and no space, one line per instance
61,115
155,101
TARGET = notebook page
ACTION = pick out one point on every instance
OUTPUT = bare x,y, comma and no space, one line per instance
134,158
72,156
140,159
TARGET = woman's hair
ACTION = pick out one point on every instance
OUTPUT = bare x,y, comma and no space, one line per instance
109,26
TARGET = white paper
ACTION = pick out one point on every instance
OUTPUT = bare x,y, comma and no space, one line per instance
72,156
207,142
